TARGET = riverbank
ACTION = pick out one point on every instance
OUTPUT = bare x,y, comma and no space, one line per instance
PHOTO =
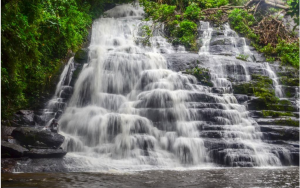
220,177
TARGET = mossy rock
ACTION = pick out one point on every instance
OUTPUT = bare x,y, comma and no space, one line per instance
270,113
81,56
279,107
287,122
243,88
257,104
289,81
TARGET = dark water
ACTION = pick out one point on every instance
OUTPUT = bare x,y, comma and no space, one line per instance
208,178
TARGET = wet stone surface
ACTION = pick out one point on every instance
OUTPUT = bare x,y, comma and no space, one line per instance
206,178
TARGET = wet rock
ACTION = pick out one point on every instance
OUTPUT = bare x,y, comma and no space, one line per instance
8,165
12,150
221,41
280,133
258,57
256,70
256,104
39,120
240,42
289,81
285,121
81,56
29,136
289,91
46,153
226,50
241,98
6,131
182,62
256,114
217,33
23,118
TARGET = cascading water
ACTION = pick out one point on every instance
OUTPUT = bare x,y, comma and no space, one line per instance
128,111
57,104
273,76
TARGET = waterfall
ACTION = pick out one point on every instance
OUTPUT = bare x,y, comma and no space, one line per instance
273,76
57,104
129,111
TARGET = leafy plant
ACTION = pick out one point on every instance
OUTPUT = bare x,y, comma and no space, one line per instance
242,57
294,11
192,12
241,21
202,75
36,37
147,34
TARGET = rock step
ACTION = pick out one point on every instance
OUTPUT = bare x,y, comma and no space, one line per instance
46,153
12,150
227,134
272,113
285,121
29,136
279,132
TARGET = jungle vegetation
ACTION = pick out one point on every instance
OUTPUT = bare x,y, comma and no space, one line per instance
36,36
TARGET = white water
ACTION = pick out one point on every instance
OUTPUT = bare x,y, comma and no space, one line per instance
128,111
57,104
273,76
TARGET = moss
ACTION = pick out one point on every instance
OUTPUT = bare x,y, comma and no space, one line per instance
202,75
267,113
243,88
81,56
260,86
278,107
289,81
287,122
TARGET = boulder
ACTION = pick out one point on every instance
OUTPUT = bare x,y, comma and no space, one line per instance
241,98
12,150
29,136
256,104
46,153
81,56
50,139
6,131
23,118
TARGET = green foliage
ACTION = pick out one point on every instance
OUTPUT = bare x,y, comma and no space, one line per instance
270,59
211,3
181,29
260,86
294,11
288,53
147,34
35,36
216,18
158,12
237,2
242,57
289,81
192,12
187,33
241,21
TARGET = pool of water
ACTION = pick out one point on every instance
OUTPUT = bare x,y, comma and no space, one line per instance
204,178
